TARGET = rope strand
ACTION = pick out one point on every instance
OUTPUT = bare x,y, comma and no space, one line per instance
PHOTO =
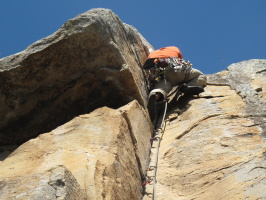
161,132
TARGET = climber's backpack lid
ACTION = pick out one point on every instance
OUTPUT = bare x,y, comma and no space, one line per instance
165,52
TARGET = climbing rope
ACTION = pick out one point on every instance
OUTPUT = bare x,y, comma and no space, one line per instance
157,136
161,130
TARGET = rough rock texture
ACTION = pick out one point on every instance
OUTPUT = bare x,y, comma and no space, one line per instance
57,183
93,60
213,146
248,79
106,151
216,148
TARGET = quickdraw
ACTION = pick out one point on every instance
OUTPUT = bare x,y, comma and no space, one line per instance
177,63
150,168
154,139
146,182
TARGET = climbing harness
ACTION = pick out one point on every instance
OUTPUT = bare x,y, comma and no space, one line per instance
177,64
158,70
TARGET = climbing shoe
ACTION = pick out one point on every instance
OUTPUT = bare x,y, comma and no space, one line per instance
191,90
152,107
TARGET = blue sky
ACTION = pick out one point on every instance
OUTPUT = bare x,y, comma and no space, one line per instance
212,34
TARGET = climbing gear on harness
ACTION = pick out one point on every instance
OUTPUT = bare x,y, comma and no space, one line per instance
157,71
177,64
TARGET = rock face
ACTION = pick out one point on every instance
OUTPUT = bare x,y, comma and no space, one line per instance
216,147
104,154
57,183
79,95
92,61
247,78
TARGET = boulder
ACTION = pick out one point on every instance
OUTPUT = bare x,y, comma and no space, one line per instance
56,183
93,60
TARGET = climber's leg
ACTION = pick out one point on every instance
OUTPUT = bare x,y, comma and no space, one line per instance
158,94
194,86
196,78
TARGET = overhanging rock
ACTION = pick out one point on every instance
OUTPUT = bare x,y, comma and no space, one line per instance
93,60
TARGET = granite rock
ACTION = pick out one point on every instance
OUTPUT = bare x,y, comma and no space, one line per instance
93,60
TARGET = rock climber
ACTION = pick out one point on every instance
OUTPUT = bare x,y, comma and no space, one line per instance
165,69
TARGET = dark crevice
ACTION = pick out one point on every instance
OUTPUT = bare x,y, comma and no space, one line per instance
253,125
211,97
5,151
134,143
247,135
59,183
261,71
219,84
